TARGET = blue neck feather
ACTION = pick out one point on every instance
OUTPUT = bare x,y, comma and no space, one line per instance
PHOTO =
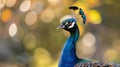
68,55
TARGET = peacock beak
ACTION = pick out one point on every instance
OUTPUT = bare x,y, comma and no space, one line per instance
60,27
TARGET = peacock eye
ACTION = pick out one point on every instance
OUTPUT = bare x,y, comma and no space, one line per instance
70,23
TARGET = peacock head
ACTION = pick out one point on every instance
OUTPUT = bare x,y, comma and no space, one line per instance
68,24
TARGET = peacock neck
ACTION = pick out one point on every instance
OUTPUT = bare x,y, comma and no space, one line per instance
68,55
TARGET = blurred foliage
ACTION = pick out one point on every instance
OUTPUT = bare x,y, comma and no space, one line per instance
28,35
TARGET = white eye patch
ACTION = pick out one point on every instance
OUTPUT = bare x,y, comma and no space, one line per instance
66,23
72,25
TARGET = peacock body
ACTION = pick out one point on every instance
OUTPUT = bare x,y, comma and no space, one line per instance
68,56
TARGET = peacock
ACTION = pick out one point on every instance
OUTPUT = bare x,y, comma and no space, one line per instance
68,56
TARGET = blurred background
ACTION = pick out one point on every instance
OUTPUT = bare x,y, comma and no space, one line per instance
29,38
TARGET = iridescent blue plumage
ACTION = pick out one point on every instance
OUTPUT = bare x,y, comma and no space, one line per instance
68,56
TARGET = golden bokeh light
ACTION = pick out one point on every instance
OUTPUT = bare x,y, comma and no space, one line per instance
6,15
86,46
30,41
94,17
53,2
89,39
2,3
25,6
10,3
37,6
94,3
55,64
42,58
47,15
31,18
12,29
57,11
84,51
111,55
